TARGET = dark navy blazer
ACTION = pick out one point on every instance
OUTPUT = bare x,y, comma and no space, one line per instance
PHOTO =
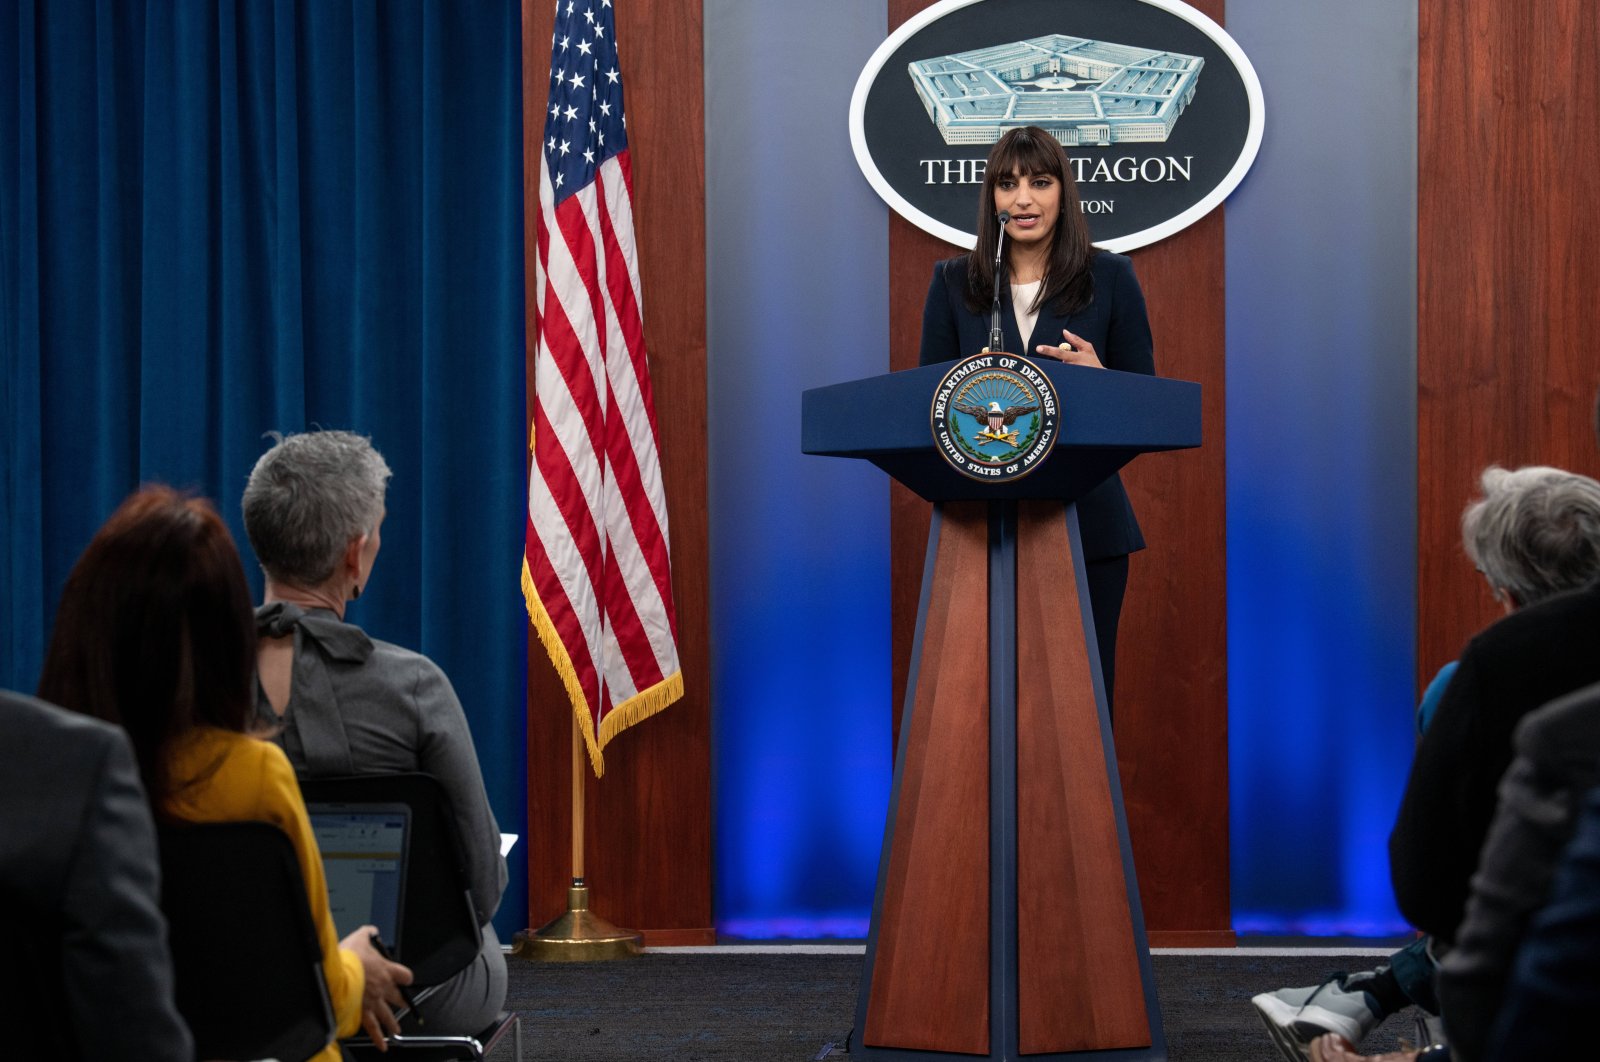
1114,321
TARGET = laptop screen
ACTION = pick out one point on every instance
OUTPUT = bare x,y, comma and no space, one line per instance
363,858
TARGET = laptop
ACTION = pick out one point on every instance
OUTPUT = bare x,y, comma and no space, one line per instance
364,849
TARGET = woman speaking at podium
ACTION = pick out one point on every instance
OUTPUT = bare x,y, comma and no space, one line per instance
1058,297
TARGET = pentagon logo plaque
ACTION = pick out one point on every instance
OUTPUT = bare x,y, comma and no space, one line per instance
1159,110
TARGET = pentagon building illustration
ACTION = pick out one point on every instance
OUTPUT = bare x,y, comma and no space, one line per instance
1081,91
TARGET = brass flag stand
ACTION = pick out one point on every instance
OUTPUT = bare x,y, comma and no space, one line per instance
577,935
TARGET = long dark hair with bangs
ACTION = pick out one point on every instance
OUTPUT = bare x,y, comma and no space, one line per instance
1068,286
155,631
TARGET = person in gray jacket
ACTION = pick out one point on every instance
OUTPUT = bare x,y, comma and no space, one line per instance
344,703
87,974
1557,763
1554,988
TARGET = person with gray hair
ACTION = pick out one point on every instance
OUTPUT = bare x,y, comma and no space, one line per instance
309,499
1534,533
1543,653
344,703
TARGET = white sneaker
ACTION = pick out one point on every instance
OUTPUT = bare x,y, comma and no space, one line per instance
1297,1016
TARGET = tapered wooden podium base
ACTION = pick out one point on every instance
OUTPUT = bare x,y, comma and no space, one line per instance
1006,923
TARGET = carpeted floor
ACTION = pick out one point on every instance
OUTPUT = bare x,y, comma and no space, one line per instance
743,1007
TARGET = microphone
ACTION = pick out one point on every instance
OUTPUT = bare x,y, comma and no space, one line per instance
996,335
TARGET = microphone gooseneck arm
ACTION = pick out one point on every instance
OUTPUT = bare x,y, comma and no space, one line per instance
996,335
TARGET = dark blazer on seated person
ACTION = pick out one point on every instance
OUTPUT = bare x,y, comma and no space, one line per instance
1114,321
86,973
1554,989
1557,763
1519,664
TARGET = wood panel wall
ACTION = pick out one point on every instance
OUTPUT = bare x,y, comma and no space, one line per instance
648,835
1171,698
1508,257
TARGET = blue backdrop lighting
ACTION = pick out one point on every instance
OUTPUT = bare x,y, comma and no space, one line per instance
797,252
1321,456
1321,443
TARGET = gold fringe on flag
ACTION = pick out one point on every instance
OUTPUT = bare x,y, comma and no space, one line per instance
557,652
641,705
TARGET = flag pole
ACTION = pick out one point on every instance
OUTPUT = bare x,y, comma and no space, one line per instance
578,934
577,802
612,637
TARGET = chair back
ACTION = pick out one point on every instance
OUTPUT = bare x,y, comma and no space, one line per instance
245,954
439,928
33,1004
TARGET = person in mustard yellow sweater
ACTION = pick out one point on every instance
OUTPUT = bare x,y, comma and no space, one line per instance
232,777
155,633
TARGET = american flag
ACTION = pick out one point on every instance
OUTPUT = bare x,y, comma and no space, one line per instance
595,573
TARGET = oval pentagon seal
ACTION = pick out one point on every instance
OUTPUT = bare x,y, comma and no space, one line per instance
1160,111
995,417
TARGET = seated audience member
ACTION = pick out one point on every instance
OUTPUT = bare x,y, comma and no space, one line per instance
345,703
1554,988
1533,917
1536,654
1534,534
86,973
1557,763
154,633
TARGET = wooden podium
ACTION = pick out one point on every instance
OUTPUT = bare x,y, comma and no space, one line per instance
1006,923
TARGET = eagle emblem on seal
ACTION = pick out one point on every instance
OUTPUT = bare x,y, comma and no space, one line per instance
993,420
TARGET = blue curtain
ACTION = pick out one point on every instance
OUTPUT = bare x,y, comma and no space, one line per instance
220,219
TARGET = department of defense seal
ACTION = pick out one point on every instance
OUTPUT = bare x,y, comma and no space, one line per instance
995,417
